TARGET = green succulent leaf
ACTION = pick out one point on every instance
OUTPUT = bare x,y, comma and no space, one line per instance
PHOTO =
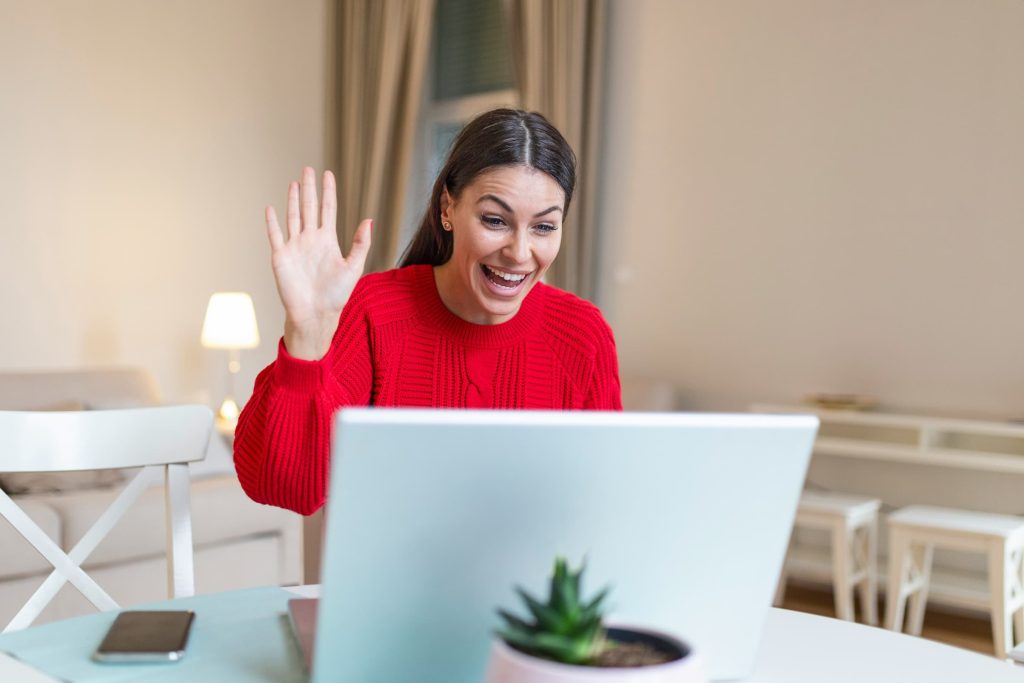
594,608
595,633
568,650
567,628
515,622
583,628
548,618
523,640
564,588
577,581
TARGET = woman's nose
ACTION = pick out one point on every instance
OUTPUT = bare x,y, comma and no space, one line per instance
518,249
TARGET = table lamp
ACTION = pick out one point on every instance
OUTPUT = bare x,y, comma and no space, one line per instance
230,324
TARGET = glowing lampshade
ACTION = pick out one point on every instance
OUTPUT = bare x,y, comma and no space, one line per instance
230,322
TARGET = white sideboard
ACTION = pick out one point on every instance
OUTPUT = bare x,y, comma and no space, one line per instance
972,464
949,442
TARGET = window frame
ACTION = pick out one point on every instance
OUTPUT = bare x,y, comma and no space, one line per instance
433,114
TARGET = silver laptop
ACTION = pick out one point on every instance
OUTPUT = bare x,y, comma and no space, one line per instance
434,516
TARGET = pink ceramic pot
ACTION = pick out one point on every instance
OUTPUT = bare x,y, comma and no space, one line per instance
508,665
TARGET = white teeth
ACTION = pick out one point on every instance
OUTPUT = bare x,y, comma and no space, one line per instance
507,277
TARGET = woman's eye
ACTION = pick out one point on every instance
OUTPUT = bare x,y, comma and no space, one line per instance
493,221
545,227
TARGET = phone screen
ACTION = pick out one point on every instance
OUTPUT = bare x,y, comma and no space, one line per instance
146,636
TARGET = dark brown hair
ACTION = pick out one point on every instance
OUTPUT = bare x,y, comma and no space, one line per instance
501,137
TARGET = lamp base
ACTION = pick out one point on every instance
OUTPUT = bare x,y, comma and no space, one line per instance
227,416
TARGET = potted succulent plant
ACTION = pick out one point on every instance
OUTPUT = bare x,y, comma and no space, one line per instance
565,641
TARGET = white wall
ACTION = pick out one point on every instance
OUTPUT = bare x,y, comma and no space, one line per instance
803,195
139,142
819,195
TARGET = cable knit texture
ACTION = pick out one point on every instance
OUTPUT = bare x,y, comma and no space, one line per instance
398,345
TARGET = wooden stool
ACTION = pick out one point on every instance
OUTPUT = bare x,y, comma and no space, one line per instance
853,524
915,531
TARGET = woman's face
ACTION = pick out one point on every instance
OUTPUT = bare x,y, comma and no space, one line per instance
506,227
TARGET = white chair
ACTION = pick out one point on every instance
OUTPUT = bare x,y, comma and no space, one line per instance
915,532
852,522
160,440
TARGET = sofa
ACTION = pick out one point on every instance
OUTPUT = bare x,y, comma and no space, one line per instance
237,543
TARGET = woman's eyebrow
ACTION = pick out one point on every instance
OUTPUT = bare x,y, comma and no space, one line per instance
496,200
509,208
547,210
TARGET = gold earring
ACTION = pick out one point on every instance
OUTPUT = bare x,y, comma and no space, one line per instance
446,225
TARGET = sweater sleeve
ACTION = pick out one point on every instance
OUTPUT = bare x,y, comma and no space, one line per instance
282,442
605,392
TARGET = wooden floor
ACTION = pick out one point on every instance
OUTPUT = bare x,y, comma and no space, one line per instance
953,629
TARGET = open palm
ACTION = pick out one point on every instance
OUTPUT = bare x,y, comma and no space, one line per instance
314,278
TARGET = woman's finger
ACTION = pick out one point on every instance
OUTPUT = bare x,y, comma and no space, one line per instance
360,245
329,208
309,217
294,226
273,229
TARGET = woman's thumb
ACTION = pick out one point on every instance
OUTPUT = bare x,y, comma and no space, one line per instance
361,243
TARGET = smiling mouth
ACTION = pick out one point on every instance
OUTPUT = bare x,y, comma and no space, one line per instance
502,278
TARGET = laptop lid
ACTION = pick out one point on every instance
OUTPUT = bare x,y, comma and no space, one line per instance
434,516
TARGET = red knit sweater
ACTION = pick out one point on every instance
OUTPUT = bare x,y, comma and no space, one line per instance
398,345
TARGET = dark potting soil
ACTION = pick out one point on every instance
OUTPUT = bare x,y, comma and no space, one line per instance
639,648
632,654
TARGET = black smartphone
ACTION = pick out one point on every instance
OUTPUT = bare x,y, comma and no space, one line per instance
146,637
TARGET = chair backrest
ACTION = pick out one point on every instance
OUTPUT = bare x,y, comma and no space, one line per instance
161,440
102,439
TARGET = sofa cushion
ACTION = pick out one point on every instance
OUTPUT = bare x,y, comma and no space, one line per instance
72,390
220,511
14,593
99,389
18,557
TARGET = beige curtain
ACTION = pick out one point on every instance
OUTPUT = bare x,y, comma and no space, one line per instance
382,53
558,49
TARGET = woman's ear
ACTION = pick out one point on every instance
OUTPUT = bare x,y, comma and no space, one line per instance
446,206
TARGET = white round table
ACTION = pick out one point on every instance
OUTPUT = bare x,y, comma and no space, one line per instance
240,637
805,648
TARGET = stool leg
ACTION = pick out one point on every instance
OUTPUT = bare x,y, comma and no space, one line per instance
842,590
922,558
998,585
1018,622
869,586
780,588
895,599
1016,580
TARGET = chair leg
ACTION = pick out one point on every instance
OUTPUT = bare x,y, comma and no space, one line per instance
842,589
922,559
895,598
177,501
998,585
868,587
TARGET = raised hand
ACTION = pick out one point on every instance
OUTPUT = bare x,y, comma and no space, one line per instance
313,278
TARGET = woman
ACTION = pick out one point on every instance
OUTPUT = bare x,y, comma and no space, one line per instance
465,322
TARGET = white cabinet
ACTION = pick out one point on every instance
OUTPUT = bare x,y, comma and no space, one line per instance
969,464
947,442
